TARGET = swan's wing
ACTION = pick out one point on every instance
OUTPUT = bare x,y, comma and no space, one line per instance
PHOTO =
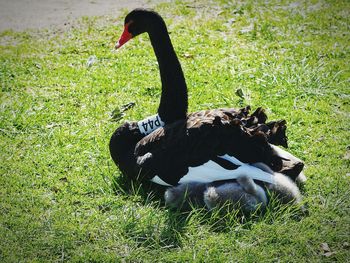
169,151
291,165
212,171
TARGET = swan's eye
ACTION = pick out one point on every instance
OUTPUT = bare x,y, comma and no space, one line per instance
130,26
135,28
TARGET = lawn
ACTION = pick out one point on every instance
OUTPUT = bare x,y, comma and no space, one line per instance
62,197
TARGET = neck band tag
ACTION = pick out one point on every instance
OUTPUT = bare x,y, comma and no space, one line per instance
150,124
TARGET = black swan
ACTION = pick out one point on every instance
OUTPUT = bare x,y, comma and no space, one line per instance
180,144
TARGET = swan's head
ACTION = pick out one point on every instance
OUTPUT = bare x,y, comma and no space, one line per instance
137,22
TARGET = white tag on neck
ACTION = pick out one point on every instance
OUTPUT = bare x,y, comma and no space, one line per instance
150,124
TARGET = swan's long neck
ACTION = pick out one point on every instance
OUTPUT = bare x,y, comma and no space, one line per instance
173,101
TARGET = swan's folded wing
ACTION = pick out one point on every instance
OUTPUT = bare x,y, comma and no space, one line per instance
291,166
169,151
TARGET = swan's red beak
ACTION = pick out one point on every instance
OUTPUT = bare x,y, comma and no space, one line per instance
125,37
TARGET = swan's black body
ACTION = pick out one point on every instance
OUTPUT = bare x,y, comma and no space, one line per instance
193,139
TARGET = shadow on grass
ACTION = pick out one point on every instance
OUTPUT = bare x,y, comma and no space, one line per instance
146,190
152,195
169,231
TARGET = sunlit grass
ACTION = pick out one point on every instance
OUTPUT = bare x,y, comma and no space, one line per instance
61,195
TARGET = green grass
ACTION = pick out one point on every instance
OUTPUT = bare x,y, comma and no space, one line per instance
57,201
